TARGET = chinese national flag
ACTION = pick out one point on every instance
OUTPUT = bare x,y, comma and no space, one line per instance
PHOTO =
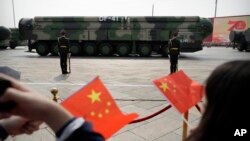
182,92
94,103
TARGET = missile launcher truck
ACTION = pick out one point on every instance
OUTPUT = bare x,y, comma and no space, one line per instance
13,40
4,33
118,35
240,39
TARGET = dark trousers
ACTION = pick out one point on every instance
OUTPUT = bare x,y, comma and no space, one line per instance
173,63
63,59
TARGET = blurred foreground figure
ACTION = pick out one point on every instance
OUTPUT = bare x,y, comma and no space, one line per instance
17,99
226,112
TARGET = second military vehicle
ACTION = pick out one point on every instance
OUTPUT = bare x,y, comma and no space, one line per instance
115,34
240,39
14,39
4,33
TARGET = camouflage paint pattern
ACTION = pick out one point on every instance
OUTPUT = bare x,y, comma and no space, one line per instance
118,29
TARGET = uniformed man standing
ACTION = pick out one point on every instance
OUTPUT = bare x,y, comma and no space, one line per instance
64,50
174,51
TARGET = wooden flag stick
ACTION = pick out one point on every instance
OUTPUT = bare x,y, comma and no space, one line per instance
185,126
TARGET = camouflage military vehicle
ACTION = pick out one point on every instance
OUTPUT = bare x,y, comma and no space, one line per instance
241,39
13,40
4,33
115,35
4,36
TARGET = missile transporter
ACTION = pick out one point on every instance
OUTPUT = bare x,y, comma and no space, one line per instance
12,40
4,33
240,39
115,34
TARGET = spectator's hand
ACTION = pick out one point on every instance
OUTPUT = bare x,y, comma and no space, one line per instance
16,125
29,104
33,106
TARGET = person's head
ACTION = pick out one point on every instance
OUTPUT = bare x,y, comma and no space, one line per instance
63,32
174,33
227,92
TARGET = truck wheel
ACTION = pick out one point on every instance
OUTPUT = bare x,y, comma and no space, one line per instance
123,49
241,47
164,51
42,49
144,50
90,49
13,44
106,49
54,49
75,49
12,47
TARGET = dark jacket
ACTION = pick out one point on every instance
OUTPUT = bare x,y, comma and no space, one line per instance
75,129
62,43
78,130
174,46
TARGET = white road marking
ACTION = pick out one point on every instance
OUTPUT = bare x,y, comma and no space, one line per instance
83,84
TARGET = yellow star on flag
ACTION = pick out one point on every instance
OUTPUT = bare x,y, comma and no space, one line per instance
164,86
94,96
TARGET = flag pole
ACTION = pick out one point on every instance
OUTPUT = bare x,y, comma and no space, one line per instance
13,10
185,126
153,10
215,11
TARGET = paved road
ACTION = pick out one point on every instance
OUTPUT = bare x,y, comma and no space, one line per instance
127,78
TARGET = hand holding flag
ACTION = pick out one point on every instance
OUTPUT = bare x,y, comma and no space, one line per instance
94,103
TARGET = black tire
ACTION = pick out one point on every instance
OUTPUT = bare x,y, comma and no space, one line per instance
42,49
106,49
90,49
144,50
12,47
13,44
54,49
123,49
75,49
242,47
164,51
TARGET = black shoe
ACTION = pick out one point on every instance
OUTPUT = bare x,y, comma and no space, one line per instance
66,73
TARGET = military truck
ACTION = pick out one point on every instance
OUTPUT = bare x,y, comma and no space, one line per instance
240,39
4,36
111,35
13,40
4,33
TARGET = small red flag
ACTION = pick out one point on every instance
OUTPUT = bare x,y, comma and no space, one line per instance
182,92
94,103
